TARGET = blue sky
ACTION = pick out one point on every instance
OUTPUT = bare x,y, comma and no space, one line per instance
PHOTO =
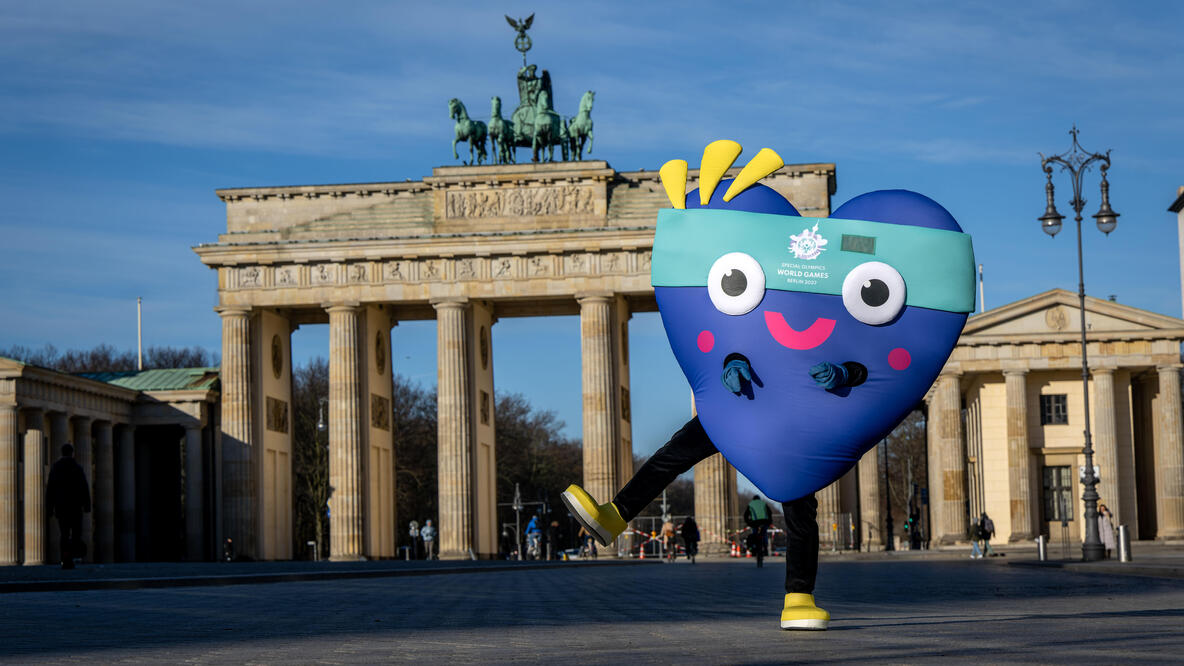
118,120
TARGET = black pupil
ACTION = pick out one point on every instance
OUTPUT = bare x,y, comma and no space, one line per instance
874,293
734,283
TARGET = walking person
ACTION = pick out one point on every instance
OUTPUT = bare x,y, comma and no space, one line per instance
428,534
986,530
668,544
1106,528
976,535
416,544
690,537
68,496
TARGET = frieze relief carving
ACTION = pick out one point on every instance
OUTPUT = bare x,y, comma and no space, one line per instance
324,274
357,273
540,265
460,269
250,277
398,271
431,270
503,268
466,269
520,202
613,262
643,260
287,276
575,264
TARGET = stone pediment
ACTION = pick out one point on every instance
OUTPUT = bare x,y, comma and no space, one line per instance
1056,313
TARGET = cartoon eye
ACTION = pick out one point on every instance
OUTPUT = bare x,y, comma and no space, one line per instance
873,293
736,283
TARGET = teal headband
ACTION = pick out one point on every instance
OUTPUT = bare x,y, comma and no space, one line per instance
814,254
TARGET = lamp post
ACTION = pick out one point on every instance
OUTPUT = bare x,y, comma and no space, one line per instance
1077,161
889,541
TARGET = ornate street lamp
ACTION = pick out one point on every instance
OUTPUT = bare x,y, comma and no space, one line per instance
1076,161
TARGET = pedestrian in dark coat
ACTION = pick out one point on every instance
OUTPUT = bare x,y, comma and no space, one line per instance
68,496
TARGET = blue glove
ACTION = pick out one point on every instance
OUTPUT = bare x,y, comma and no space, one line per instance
829,376
733,371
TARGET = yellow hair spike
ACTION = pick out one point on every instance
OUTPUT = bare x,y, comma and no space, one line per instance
717,159
674,180
766,162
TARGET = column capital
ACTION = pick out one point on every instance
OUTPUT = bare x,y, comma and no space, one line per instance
231,311
450,303
192,424
33,412
347,306
594,297
79,418
1164,368
1102,370
1013,371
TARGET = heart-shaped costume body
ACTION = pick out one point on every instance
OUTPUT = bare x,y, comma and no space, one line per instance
878,293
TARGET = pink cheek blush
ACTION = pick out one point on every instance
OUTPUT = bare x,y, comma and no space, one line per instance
707,341
899,358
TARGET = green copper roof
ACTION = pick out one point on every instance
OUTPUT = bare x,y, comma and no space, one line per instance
165,379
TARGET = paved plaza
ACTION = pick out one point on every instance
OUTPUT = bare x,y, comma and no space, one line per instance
895,609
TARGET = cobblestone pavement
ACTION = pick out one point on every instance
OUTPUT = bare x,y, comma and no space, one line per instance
901,611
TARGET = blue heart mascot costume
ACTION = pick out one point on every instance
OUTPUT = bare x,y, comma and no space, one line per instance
805,340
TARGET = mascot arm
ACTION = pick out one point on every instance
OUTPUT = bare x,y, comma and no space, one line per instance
831,376
734,371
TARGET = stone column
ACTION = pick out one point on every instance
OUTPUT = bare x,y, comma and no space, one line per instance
1106,440
829,506
194,494
600,389
455,431
10,484
238,477
871,524
83,454
1169,456
104,493
1019,475
346,519
34,487
933,465
125,496
951,494
715,503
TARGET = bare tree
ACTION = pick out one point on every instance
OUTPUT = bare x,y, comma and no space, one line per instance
106,358
310,460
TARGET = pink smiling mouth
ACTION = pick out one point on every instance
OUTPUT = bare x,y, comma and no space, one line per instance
810,338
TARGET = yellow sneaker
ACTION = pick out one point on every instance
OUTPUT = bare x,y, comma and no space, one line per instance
604,521
801,613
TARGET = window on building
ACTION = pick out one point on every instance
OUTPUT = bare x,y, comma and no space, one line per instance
1058,493
1054,409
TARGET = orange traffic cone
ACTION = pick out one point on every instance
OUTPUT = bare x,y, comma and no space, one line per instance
642,556
735,549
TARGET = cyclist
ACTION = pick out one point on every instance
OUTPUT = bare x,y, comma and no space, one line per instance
758,518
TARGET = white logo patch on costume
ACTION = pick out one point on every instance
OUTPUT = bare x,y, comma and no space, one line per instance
808,244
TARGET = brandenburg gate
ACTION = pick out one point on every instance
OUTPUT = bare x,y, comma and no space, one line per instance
467,246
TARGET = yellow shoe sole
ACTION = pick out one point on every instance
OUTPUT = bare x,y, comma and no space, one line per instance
583,514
